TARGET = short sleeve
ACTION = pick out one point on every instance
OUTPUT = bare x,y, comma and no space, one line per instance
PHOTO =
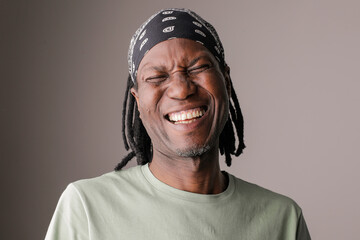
302,232
70,221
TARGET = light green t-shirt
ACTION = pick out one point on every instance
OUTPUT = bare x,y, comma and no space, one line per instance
133,204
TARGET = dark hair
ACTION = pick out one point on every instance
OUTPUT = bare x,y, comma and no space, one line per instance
136,138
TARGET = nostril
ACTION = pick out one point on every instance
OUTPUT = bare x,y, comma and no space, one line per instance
181,88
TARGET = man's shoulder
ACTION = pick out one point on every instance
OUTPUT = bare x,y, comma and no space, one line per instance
110,180
261,196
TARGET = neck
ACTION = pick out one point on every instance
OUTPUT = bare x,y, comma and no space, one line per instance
198,175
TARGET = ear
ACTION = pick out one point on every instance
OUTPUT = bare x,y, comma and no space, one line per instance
227,80
135,94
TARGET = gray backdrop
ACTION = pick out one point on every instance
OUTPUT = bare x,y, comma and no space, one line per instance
294,64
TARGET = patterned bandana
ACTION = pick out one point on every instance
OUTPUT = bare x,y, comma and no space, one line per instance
168,24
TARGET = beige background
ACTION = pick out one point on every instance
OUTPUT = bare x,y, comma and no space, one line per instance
294,64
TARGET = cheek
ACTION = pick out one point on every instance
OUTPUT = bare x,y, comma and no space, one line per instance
217,87
148,102
148,99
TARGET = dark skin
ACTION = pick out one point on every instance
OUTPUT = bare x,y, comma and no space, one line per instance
177,76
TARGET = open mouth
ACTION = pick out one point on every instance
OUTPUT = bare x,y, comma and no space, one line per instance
187,116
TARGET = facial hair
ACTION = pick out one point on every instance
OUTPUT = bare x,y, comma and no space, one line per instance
193,151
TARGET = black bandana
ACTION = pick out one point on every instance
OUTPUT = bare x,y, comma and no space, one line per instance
168,24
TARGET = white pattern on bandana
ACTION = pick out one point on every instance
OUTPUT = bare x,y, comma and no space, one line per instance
200,32
167,12
143,43
168,18
168,29
197,24
142,35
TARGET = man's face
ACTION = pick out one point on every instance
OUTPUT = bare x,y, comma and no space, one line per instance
182,96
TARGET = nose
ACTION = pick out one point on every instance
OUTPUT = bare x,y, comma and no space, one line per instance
181,86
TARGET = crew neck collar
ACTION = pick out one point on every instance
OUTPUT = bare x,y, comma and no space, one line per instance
188,196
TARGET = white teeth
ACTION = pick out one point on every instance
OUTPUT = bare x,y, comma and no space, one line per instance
186,116
183,116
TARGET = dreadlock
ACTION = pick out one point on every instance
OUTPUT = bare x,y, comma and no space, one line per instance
136,138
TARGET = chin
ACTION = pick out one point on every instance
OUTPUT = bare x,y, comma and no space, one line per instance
197,149
193,151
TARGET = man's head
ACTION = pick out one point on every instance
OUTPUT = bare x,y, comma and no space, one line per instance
176,79
182,87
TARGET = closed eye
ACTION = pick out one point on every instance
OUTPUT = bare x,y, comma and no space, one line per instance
156,79
199,69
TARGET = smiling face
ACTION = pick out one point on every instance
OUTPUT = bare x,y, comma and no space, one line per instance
182,97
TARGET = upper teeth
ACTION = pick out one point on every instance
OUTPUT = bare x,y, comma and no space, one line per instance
185,115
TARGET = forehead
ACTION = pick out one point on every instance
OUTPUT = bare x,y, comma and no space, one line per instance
175,51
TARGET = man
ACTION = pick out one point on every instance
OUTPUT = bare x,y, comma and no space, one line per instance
180,113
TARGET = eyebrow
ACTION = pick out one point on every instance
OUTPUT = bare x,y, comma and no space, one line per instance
194,61
147,68
161,68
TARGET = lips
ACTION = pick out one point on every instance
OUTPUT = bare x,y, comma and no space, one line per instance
186,116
